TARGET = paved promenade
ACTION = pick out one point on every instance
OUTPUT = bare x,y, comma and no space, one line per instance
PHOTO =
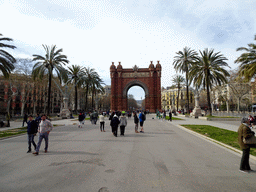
164,158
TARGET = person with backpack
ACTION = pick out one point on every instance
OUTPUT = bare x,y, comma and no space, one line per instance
142,118
114,124
136,122
123,124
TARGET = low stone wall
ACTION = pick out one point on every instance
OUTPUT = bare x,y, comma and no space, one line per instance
219,119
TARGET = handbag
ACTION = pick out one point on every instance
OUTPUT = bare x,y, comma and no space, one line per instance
250,140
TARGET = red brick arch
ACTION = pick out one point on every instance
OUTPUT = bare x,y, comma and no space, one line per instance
147,78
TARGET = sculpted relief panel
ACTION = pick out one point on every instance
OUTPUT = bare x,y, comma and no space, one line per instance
135,74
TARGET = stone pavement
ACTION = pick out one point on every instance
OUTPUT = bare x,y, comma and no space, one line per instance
164,158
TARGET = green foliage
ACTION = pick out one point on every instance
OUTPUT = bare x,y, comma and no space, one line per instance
222,135
208,70
6,59
247,60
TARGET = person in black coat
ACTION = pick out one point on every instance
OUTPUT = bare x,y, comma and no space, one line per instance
31,130
136,122
170,115
114,124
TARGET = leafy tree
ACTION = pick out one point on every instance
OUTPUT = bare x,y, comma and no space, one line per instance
6,59
247,60
182,63
208,70
76,76
178,82
53,61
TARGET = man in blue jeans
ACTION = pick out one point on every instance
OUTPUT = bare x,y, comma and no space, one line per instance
45,127
31,130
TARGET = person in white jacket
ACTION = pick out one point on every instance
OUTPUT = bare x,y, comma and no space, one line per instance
102,122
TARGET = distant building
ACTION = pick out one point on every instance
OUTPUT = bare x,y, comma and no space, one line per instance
169,98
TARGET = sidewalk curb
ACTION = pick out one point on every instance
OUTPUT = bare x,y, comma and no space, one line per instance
214,141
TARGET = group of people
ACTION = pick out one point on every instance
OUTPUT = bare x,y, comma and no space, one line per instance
117,119
39,125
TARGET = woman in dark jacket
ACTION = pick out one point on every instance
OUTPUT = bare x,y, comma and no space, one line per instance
114,124
244,131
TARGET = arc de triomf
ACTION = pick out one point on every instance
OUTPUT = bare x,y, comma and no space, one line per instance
147,78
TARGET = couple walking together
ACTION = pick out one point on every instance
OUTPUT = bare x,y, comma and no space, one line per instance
44,127
115,123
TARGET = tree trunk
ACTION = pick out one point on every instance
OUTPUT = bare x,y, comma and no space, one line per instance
86,96
208,99
93,99
75,98
178,97
22,109
187,91
238,105
49,94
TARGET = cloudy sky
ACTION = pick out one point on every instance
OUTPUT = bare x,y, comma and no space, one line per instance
97,32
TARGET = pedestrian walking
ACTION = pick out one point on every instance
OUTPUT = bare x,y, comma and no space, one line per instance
45,127
80,119
94,117
123,124
102,122
114,124
170,115
142,118
38,119
31,131
136,122
164,115
25,119
244,131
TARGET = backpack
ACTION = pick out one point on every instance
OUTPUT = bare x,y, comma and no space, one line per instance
143,117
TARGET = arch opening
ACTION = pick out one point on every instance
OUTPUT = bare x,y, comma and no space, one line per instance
136,98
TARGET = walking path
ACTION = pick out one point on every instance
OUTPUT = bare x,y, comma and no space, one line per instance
165,158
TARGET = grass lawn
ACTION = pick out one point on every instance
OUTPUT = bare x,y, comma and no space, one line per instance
222,135
12,132
173,118
77,119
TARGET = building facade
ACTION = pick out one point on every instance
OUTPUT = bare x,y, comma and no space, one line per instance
169,99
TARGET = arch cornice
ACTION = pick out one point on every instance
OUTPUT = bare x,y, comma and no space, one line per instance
134,83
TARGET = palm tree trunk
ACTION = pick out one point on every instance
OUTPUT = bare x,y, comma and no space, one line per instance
178,97
75,98
49,94
92,98
86,96
187,93
208,99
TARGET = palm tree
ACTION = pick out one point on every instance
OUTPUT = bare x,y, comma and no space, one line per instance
178,81
6,59
96,87
53,61
76,75
247,60
182,63
209,70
